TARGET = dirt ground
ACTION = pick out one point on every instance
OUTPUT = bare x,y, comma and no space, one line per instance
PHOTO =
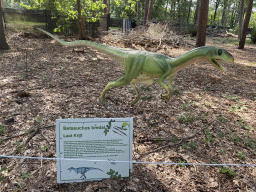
209,119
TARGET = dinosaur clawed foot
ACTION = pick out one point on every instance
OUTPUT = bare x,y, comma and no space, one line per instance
102,99
135,101
166,97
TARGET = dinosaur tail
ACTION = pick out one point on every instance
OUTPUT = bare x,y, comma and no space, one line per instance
112,52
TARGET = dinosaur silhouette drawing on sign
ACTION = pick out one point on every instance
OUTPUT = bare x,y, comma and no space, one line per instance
83,170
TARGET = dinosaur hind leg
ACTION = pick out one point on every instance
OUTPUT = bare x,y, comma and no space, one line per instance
168,89
120,82
83,176
137,97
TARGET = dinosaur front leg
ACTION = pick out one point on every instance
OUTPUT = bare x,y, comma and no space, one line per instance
137,97
120,82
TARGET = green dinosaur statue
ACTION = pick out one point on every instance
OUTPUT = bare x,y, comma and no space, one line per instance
143,67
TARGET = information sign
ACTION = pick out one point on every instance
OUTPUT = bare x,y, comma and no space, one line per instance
87,149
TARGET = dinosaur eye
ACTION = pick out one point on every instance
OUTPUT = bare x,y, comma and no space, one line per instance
219,52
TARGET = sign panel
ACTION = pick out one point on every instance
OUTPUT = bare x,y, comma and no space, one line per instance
88,148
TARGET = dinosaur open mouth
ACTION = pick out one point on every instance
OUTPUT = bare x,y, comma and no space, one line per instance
217,64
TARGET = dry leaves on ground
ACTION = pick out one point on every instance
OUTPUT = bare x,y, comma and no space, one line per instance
209,119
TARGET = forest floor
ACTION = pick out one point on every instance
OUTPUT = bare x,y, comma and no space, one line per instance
209,119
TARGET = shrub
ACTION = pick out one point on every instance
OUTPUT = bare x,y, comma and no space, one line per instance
253,36
192,30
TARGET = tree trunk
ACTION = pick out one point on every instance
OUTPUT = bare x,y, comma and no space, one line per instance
240,19
246,23
234,15
217,3
106,8
197,12
172,12
189,10
3,43
165,11
138,12
80,20
224,12
178,10
145,12
202,23
226,17
150,8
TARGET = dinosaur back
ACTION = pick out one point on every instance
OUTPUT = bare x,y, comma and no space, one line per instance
114,53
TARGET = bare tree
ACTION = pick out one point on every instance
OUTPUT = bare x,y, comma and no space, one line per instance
202,23
246,23
3,43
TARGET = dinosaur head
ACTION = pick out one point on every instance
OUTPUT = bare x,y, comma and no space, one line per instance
216,54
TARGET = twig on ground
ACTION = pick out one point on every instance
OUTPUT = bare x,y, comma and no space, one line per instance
172,144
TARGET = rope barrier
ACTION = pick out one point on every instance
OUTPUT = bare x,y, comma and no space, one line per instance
135,162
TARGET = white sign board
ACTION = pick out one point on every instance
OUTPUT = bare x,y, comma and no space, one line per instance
98,143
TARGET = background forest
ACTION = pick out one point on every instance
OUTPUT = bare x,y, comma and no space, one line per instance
224,13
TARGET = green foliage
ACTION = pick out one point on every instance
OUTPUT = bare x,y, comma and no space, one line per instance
239,107
20,146
226,170
181,165
220,135
234,30
174,139
235,137
252,23
44,148
192,144
65,11
176,89
253,36
192,30
25,175
222,119
222,151
241,155
186,118
38,119
2,128
144,88
147,97
124,8
114,174
203,118
208,136
1,141
2,170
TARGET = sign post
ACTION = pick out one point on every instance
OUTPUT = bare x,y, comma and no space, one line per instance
89,148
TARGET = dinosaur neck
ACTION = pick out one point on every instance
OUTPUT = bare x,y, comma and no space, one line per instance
189,58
